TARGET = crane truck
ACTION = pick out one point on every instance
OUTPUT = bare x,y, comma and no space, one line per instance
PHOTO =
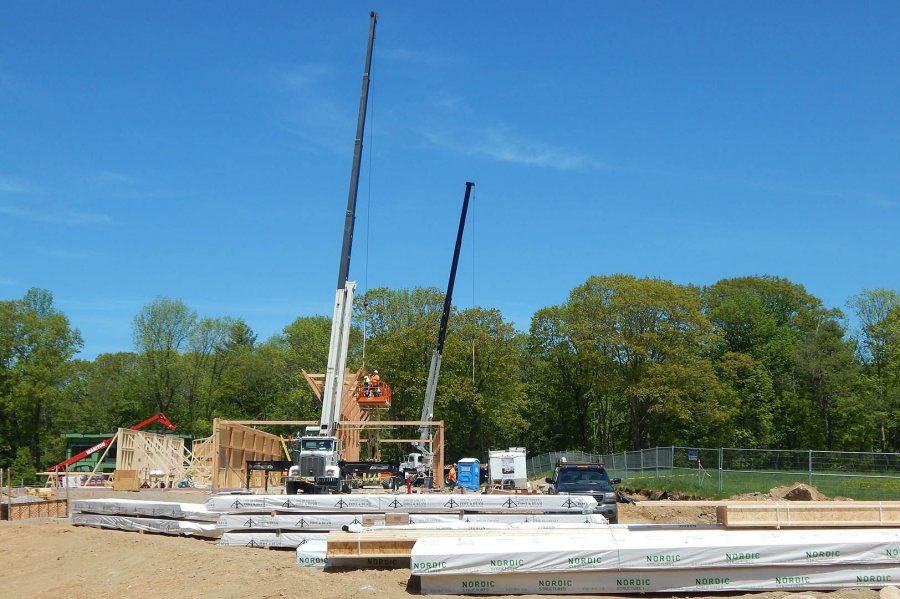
422,462
317,453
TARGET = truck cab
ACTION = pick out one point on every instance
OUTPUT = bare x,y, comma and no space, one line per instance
316,467
413,462
587,479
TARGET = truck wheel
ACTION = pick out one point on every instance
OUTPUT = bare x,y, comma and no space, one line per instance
346,488
291,487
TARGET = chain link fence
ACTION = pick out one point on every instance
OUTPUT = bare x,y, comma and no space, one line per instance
733,471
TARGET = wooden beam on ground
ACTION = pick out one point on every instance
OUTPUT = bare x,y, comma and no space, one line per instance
809,514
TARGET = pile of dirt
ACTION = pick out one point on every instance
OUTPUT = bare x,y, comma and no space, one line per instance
794,492
797,492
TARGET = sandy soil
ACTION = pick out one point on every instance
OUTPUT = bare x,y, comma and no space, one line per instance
53,559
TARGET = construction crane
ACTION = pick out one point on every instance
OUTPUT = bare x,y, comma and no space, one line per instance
160,418
318,454
423,462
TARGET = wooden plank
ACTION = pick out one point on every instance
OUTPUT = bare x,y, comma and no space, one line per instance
787,514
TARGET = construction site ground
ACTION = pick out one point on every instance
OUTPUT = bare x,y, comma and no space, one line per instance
53,559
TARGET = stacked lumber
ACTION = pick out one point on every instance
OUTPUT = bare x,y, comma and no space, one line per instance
139,507
157,525
628,561
793,514
163,517
333,522
423,504
269,520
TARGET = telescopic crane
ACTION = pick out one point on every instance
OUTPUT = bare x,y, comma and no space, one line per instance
317,459
423,462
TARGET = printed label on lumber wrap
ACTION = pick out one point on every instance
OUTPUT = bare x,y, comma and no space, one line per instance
289,540
673,581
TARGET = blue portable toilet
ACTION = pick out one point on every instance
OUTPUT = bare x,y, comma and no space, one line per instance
468,474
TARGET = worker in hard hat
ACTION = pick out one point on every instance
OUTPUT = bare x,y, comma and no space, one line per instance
367,385
376,383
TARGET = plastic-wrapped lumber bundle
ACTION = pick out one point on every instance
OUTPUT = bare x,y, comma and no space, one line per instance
139,507
157,525
298,521
363,504
704,580
622,549
282,540
314,555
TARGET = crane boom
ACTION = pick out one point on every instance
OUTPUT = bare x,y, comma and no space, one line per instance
343,299
435,368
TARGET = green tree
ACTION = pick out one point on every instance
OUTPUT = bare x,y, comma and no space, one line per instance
879,338
481,401
36,346
826,370
23,471
638,334
162,331
767,319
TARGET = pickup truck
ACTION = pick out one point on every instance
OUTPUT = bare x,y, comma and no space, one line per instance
587,479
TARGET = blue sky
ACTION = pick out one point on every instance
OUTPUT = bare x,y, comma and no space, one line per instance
202,151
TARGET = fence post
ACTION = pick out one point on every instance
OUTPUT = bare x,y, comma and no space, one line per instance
810,467
657,461
721,482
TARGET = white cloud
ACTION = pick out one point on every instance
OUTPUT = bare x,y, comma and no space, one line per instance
312,111
110,178
13,185
57,215
500,143
64,254
416,57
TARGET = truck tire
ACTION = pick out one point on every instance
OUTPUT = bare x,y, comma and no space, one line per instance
346,488
291,487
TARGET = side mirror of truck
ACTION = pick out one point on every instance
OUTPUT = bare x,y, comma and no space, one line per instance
548,480
616,481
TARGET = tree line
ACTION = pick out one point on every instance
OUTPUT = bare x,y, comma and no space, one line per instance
624,363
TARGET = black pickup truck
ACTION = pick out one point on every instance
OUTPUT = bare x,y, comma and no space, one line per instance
587,479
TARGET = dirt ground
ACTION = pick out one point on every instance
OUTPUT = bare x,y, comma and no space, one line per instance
53,559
